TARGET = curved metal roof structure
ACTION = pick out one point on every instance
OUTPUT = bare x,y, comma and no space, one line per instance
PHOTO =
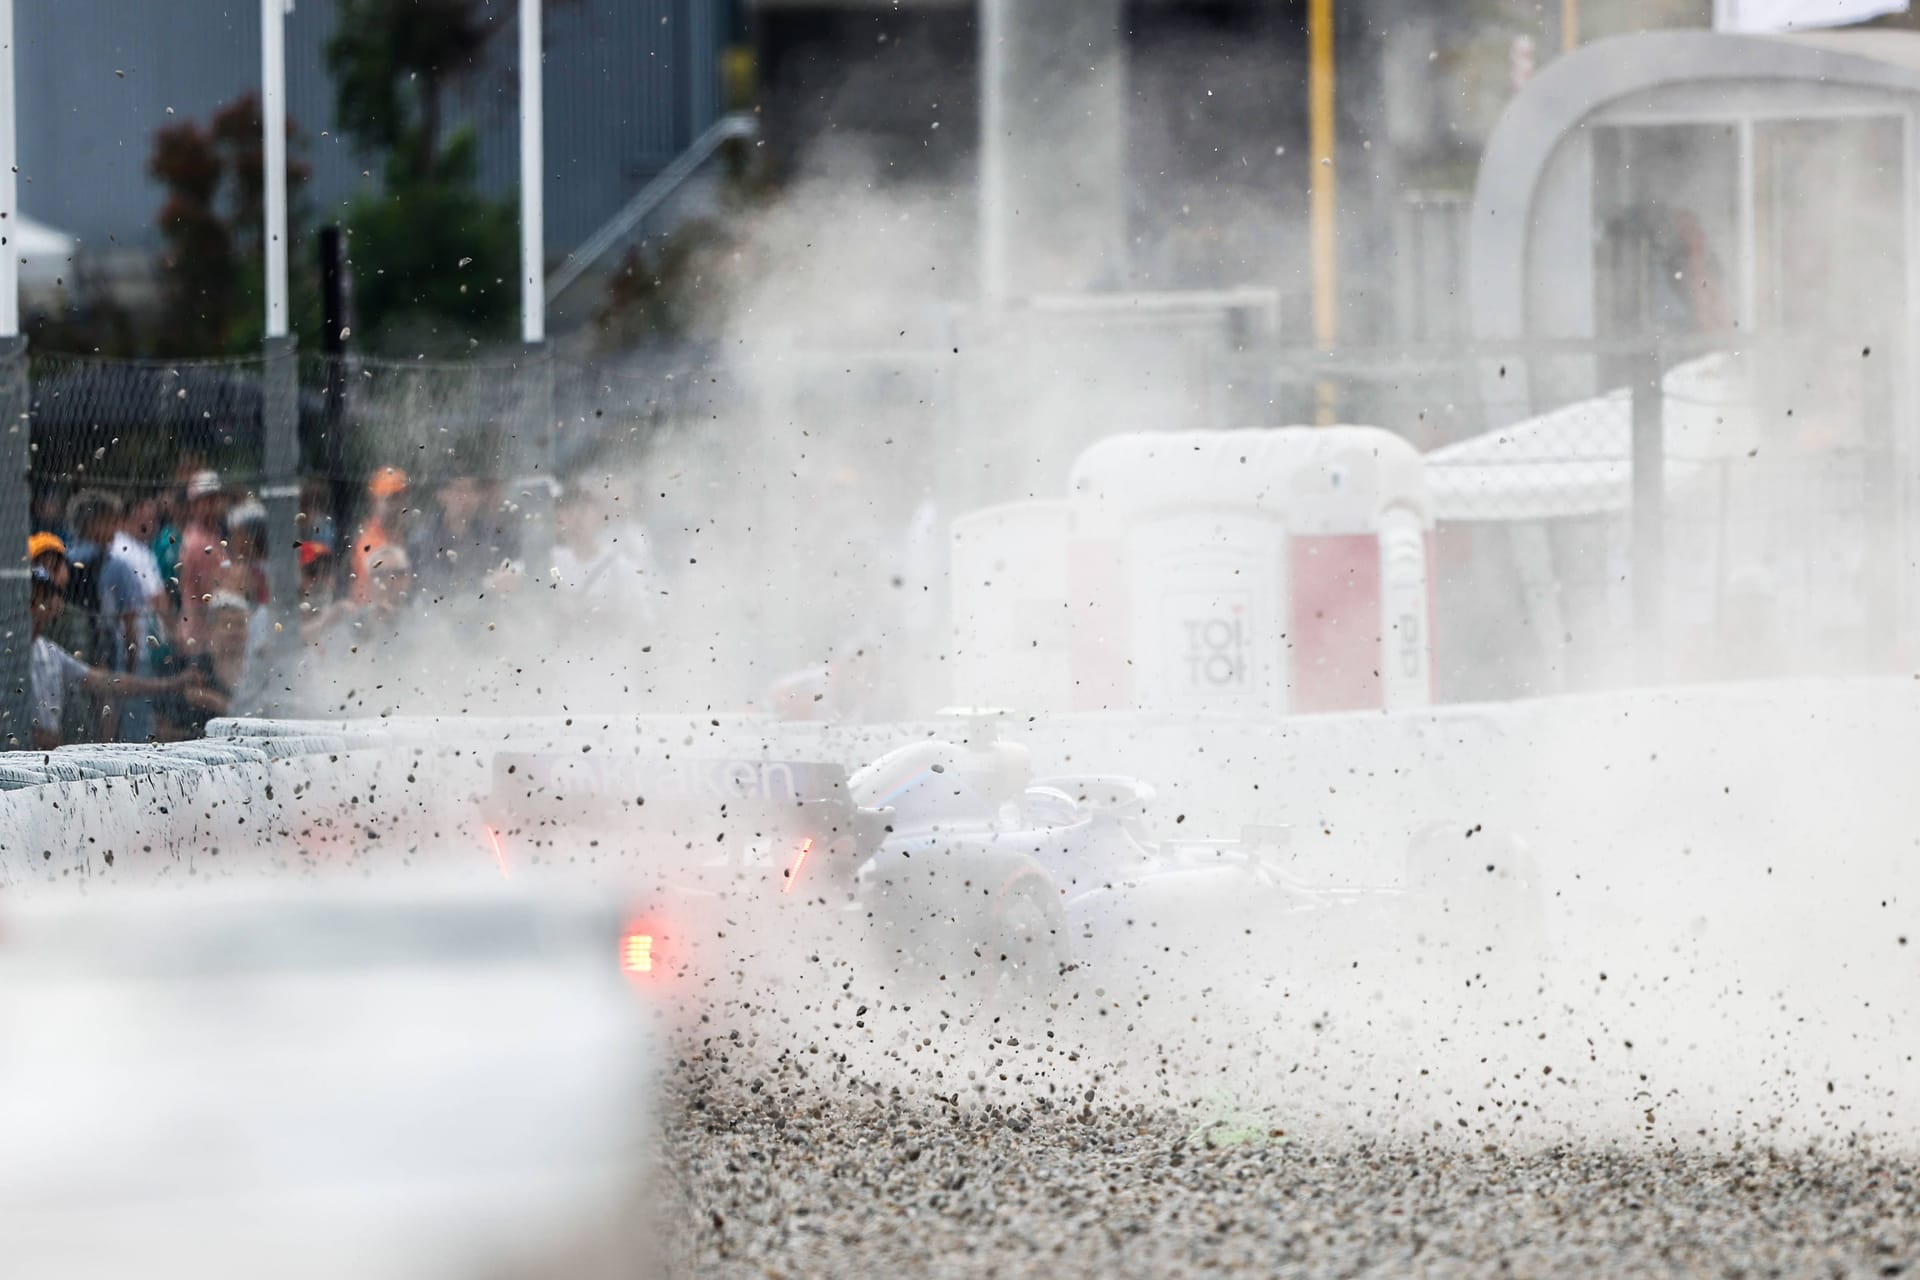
1573,90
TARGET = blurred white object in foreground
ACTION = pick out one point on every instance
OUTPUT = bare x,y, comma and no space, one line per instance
319,1079
1775,17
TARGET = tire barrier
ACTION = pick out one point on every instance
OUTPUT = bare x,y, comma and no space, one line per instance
237,801
1680,786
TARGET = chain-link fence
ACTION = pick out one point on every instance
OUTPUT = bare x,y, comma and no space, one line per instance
148,487
1605,511
1647,508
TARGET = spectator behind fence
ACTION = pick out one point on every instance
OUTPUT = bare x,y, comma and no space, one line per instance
220,676
203,553
602,565
246,576
316,589
353,631
49,512
53,670
47,553
94,517
170,519
315,578
463,537
133,603
383,527
245,572
314,521
155,525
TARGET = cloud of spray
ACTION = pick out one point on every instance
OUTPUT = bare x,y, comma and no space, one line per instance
1706,865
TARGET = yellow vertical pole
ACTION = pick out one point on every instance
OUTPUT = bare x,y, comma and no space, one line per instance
1321,189
1569,25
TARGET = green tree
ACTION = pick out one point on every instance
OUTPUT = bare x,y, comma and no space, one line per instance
213,269
434,262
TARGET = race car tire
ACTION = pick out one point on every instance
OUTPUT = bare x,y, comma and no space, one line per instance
1025,953
943,923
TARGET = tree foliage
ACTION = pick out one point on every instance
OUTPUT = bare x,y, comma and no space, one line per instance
213,269
434,261
393,63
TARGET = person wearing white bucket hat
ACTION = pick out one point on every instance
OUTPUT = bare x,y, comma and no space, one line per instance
203,484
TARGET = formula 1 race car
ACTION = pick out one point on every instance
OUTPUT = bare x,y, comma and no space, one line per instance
711,851
1014,882
955,870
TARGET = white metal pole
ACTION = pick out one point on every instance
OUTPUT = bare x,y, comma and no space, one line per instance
993,151
273,123
533,284
15,521
9,185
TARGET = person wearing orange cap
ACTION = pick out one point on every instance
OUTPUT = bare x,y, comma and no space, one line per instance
387,490
318,607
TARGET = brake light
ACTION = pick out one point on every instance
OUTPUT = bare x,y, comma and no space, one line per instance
799,860
636,953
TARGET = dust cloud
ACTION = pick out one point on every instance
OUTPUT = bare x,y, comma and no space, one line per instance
1723,869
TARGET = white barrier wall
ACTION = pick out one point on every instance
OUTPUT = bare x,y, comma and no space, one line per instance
1681,802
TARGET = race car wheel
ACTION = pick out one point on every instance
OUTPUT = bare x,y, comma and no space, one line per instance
1023,955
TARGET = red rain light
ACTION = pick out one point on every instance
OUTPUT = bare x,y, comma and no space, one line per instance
636,953
499,854
799,860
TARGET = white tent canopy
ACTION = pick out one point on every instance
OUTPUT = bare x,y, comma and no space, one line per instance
1578,459
46,255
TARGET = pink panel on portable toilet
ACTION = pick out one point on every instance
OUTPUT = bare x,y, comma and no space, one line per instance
1334,630
1099,624
1357,523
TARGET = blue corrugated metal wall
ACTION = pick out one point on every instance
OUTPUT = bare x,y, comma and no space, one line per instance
628,84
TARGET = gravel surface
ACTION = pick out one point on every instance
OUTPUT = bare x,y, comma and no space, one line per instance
776,1171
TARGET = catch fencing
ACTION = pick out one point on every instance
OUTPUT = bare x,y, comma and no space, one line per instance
1658,507
1609,511
138,430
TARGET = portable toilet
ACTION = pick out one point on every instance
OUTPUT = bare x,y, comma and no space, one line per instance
1008,569
1280,570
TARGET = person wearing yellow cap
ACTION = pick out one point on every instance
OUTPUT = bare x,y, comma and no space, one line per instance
47,551
53,669
47,556
387,495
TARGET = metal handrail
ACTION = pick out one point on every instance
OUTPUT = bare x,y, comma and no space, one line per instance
649,198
